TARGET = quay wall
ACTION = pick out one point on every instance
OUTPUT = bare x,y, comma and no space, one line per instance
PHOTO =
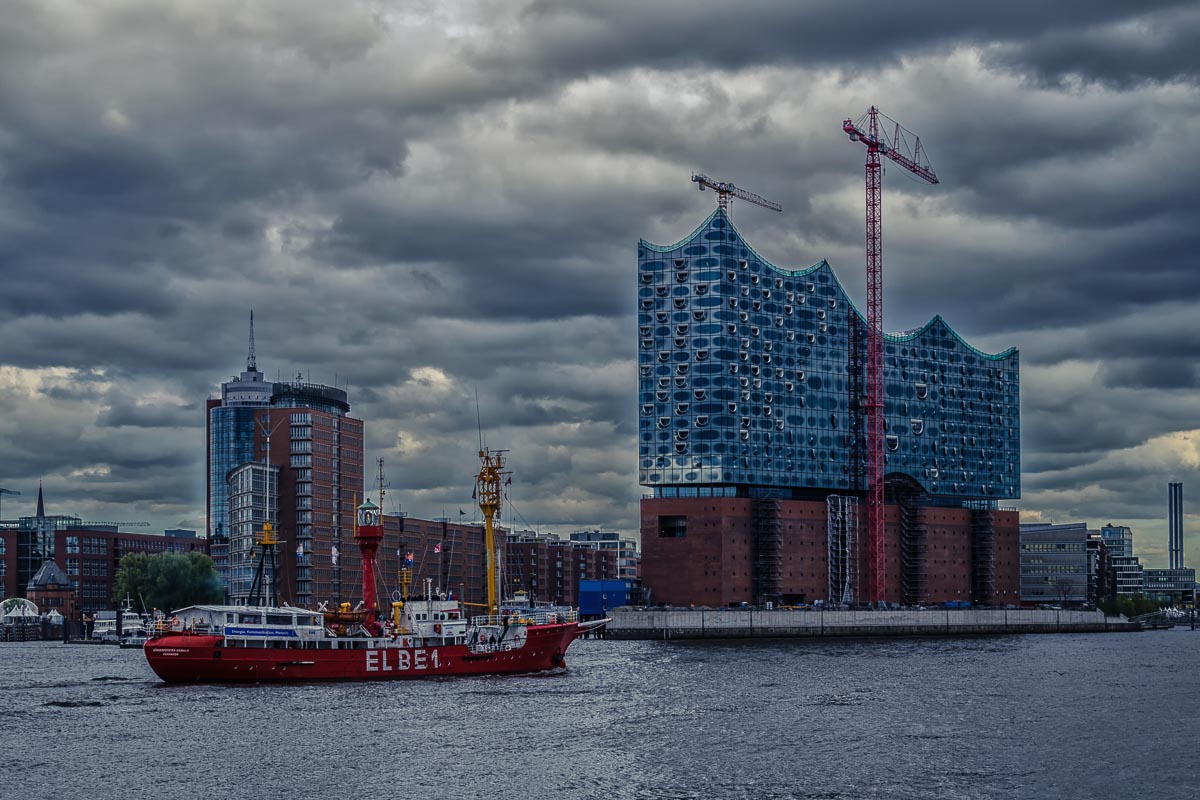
684,623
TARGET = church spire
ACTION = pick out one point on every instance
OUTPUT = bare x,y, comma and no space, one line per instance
41,509
251,364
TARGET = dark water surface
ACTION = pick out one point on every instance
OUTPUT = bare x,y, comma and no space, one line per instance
1066,716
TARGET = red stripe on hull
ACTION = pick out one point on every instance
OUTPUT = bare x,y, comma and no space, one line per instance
187,658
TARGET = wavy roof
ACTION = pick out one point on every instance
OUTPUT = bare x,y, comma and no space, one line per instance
903,336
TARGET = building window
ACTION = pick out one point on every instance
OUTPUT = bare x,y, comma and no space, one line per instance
672,527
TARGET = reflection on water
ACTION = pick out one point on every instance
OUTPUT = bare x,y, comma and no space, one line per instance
1076,716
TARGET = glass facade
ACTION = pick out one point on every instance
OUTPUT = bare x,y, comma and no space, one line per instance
231,444
750,375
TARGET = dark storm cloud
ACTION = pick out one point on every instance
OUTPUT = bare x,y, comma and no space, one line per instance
1124,53
419,200
599,35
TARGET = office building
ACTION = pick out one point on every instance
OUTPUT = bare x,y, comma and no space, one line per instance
1057,563
628,559
752,438
304,431
1125,568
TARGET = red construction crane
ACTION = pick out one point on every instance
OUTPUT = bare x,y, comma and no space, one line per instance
903,147
727,191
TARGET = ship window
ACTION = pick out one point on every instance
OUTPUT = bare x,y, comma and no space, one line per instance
250,619
279,619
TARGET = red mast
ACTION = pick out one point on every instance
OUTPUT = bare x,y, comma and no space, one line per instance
912,159
368,532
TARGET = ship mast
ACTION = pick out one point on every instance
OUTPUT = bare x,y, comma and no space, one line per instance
487,492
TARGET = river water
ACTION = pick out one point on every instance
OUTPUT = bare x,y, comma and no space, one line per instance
1049,716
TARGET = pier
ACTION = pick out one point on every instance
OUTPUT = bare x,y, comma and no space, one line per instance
689,623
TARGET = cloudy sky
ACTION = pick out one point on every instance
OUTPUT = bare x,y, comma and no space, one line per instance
419,200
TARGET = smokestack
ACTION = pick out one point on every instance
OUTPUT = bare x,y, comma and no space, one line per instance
1175,524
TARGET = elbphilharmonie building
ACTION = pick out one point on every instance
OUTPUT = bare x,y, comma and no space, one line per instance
750,380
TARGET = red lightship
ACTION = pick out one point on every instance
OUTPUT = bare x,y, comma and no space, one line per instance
425,637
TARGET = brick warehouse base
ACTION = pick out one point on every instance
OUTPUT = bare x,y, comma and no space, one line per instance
702,551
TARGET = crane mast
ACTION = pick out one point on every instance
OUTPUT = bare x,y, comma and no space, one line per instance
727,191
488,495
904,148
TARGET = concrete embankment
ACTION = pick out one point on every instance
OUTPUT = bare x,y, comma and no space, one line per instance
675,623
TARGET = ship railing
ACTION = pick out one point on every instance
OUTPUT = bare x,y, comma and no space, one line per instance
526,618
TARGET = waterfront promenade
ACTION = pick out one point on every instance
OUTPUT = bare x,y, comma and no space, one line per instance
694,623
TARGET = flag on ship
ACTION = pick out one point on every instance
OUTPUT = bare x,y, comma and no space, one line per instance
408,559
437,548
509,481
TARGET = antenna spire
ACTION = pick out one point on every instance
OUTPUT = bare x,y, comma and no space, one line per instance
251,363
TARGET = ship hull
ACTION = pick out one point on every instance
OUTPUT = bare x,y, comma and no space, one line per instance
190,658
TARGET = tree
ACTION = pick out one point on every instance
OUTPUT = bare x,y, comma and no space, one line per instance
168,581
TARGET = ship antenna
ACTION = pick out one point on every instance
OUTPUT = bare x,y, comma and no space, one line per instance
251,362
478,419
381,485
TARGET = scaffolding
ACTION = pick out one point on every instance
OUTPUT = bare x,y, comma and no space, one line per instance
841,523
912,550
768,549
983,553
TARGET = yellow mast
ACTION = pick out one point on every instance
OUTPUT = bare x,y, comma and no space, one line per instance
488,494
